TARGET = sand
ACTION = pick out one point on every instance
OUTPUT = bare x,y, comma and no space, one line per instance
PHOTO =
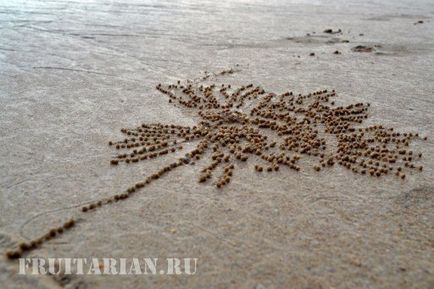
74,73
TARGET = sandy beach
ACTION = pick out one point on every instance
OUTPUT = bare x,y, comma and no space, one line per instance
73,74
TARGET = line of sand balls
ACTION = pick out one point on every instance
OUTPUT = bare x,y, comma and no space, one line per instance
273,130
26,247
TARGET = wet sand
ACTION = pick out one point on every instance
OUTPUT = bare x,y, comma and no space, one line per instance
72,74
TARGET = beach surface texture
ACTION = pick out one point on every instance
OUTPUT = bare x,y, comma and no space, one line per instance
76,75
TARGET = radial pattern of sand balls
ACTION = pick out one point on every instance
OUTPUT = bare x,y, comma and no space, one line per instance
277,130
273,131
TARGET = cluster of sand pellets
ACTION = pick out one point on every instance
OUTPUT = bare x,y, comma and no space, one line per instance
277,130
272,131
